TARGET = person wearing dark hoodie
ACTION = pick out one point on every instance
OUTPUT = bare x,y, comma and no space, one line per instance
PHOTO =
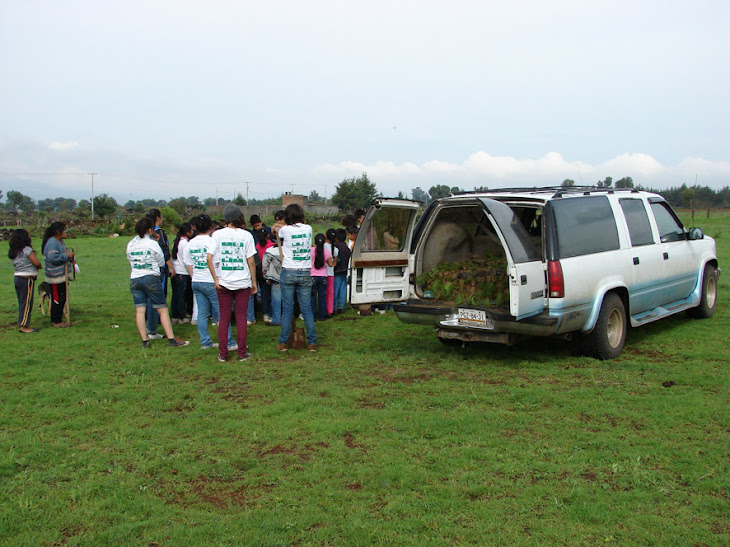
58,260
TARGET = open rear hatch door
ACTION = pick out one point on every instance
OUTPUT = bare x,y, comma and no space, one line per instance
380,266
526,270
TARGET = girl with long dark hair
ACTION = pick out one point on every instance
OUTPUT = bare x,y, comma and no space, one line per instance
320,257
26,265
58,261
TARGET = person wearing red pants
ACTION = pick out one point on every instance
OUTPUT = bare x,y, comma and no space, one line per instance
233,267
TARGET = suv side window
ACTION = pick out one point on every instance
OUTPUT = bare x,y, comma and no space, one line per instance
584,225
670,229
637,221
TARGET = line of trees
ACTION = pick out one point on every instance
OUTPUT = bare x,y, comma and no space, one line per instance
350,194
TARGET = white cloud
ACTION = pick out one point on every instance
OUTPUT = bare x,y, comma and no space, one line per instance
63,146
482,168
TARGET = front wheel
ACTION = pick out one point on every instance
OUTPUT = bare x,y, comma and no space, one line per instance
607,339
709,294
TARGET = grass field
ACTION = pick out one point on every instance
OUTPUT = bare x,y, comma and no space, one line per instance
385,436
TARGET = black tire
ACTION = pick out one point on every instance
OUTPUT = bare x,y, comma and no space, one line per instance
708,300
608,337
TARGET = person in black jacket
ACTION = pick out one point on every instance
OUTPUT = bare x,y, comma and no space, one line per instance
341,269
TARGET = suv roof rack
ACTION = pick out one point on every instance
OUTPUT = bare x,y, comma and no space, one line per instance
558,191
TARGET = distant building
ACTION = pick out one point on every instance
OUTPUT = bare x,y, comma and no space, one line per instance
288,198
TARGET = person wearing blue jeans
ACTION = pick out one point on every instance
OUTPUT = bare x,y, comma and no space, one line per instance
295,248
207,300
275,287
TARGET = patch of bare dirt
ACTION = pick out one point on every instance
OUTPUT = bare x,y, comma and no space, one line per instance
353,486
350,442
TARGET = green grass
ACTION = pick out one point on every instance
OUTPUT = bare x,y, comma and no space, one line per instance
385,436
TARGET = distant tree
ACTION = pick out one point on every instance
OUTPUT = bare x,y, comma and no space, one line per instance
567,183
606,183
481,188
139,207
354,193
104,205
209,202
626,182
179,204
439,191
314,197
400,195
239,200
171,218
16,201
46,205
194,203
419,195
130,204
66,204
84,205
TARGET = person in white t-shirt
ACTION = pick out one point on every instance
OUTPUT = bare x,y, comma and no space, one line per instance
146,260
295,244
206,298
233,268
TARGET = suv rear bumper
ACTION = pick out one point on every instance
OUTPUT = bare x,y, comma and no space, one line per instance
446,319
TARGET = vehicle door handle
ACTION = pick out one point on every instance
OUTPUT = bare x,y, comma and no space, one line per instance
523,280
666,256
636,260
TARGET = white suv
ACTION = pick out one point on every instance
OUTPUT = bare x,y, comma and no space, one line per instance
577,262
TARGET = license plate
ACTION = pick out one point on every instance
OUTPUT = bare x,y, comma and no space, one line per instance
475,318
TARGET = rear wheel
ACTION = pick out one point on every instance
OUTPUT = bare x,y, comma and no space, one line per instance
607,339
709,294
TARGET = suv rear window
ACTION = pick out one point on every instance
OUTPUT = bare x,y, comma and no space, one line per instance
584,225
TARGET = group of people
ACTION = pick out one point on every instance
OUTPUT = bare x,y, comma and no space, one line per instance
226,269
59,261
216,272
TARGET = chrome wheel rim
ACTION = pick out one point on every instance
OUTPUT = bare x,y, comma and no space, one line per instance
711,294
615,328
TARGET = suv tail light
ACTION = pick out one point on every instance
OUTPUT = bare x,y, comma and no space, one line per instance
556,286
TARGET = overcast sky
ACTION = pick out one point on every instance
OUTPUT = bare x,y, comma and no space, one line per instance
163,99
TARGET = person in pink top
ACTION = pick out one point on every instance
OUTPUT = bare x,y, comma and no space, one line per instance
320,257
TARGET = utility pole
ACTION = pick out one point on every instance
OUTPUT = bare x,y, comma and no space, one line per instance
92,193
247,183
325,194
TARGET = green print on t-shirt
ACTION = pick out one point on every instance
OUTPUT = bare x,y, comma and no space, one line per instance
200,258
301,247
231,258
139,262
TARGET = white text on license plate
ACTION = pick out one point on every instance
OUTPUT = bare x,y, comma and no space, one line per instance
475,318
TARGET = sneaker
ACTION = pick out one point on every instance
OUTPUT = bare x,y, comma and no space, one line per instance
193,321
145,344
213,345
251,322
234,347
246,357
185,321
175,343
312,348
267,319
221,358
282,347
154,336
